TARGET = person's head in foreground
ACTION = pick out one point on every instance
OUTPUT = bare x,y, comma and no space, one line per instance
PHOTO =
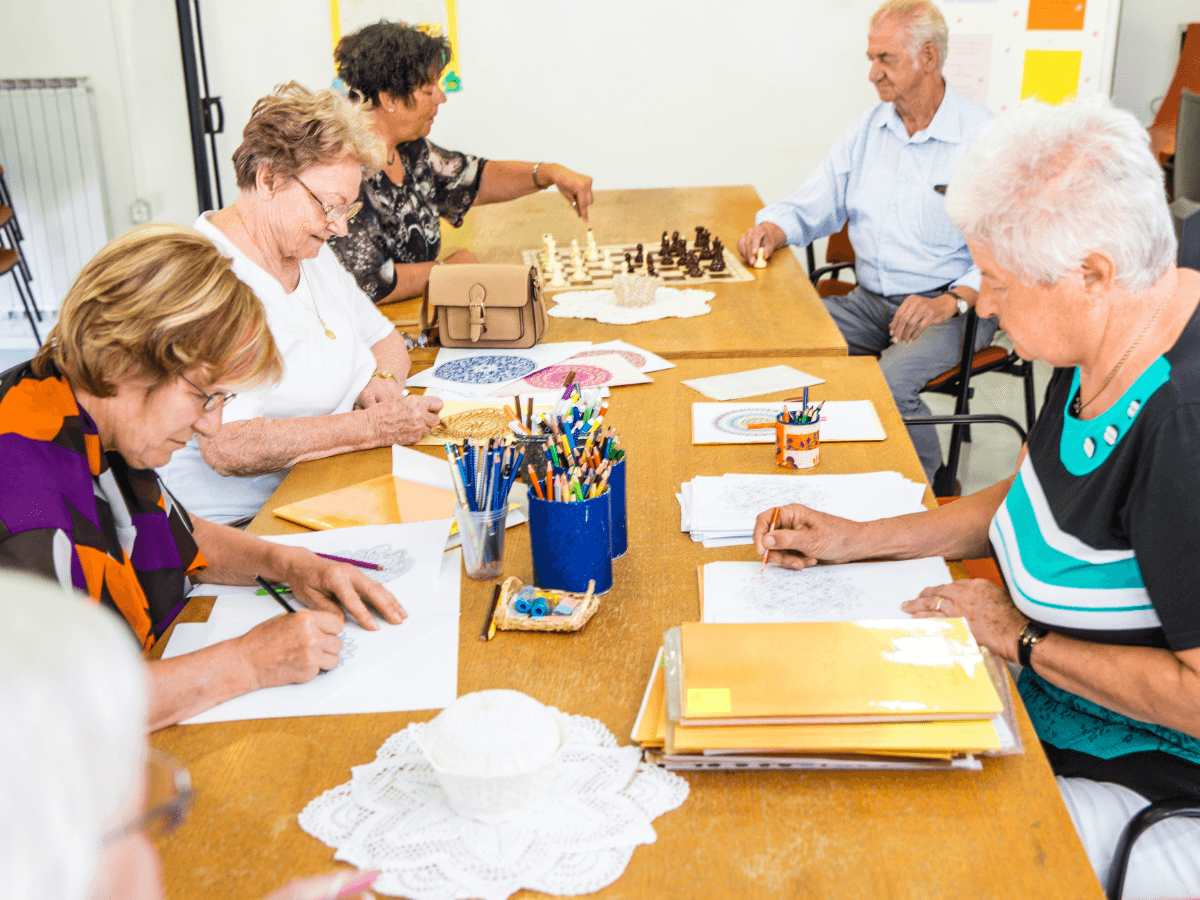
299,167
395,68
1064,211
906,45
152,337
80,791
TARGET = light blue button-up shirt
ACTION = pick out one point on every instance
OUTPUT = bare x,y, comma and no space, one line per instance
883,181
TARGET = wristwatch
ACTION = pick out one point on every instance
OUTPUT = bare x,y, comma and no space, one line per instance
963,306
1030,635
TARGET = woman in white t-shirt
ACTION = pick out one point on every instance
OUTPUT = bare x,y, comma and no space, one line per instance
299,168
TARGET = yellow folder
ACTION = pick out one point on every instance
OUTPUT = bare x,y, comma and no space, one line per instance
828,672
386,500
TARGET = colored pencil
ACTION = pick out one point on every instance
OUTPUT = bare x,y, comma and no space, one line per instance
774,522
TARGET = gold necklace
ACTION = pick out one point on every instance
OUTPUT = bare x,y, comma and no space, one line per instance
1076,406
329,334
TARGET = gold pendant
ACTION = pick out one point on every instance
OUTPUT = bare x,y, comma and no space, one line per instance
329,334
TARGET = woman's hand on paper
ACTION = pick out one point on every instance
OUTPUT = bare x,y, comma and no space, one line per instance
292,649
321,584
994,621
803,537
405,420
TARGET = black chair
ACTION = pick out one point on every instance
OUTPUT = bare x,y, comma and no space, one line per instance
839,256
1151,815
12,260
956,382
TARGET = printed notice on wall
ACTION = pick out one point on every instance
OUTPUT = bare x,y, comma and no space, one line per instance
969,65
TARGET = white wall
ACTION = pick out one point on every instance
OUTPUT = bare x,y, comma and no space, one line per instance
635,93
1147,51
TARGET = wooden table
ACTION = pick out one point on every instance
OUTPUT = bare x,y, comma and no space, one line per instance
1002,832
778,314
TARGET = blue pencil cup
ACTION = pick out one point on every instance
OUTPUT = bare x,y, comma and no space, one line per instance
616,487
571,543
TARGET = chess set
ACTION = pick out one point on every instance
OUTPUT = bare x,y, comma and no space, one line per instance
675,260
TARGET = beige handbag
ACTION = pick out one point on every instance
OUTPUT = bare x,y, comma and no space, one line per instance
486,306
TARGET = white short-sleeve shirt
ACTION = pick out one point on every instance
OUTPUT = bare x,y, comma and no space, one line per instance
321,376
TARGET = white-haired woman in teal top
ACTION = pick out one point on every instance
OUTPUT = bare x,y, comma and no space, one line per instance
1098,532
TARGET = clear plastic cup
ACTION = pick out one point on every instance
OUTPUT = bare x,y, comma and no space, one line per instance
482,536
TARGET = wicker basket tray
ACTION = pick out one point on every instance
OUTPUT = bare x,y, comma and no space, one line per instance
507,620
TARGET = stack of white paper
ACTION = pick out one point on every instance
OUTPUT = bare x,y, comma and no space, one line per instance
413,665
720,511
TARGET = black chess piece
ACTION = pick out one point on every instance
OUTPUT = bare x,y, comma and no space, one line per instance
679,247
718,256
702,236
650,269
665,246
629,263
639,259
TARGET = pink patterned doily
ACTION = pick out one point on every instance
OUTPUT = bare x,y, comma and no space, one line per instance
634,359
553,376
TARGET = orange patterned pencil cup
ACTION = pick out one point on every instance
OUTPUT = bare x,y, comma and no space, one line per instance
797,446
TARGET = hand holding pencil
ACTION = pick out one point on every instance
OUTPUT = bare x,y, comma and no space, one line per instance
797,537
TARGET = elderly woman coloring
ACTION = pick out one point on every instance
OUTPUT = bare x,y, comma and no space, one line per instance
394,241
299,167
150,342
1098,532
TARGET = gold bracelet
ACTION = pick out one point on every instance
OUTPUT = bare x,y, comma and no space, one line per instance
540,187
384,373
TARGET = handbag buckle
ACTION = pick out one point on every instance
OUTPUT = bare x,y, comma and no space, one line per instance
477,294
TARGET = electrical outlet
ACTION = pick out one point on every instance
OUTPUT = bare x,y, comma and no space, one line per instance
140,211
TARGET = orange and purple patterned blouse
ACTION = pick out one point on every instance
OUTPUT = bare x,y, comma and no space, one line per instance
77,515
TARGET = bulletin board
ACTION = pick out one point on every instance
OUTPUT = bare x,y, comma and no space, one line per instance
437,17
1003,51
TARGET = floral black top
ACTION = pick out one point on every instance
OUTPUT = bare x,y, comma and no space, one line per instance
399,223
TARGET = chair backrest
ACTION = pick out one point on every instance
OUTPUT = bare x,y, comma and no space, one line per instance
1187,75
838,248
1187,147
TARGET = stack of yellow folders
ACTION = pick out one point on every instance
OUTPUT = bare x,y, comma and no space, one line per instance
905,694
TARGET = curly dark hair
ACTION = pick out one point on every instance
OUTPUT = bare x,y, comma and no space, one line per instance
392,57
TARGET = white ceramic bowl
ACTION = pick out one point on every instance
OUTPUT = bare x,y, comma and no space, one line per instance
494,753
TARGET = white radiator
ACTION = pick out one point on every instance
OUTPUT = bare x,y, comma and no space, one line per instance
50,150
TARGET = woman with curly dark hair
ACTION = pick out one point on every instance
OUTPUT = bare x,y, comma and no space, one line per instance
394,240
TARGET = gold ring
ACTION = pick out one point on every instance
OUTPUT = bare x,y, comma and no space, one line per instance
937,607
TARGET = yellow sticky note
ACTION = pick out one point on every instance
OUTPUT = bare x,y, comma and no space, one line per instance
1051,76
708,701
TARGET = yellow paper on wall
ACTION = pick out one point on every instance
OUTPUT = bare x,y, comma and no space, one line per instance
1051,76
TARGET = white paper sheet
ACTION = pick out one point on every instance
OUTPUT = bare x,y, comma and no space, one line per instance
640,359
716,508
753,382
476,373
188,637
423,468
409,666
737,592
726,423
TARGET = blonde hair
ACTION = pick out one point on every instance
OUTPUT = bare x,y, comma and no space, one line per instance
155,302
923,22
295,128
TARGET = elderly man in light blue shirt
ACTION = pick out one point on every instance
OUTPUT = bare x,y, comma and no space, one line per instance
915,276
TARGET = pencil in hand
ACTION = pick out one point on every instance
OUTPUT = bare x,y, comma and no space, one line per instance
770,528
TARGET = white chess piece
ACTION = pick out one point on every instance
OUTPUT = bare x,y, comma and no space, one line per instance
578,273
556,278
606,263
593,252
760,261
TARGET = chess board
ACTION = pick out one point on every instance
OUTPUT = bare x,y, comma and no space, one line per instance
597,278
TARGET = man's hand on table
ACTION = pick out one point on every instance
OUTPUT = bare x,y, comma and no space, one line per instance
767,235
917,313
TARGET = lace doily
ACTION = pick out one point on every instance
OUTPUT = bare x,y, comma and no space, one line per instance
393,816
599,305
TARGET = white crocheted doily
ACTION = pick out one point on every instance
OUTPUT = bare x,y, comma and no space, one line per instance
393,816
599,305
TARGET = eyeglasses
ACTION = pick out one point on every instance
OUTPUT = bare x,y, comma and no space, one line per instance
333,213
211,401
168,799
